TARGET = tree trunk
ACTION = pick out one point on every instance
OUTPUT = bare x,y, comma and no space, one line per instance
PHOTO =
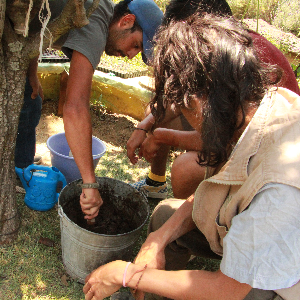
16,51
13,68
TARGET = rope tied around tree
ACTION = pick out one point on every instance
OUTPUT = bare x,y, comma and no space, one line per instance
44,20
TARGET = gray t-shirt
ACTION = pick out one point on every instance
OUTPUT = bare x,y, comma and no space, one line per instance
89,40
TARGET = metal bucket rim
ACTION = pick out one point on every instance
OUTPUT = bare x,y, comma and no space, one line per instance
62,213
70,157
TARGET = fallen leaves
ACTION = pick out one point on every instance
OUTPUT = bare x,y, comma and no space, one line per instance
46,241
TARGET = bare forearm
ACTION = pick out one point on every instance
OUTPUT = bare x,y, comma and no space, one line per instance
187,140
149,122
78,131
153,249
77,119
187,284
78,128
192,284
177,225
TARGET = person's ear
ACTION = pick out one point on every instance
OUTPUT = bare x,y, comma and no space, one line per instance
127,21
195,102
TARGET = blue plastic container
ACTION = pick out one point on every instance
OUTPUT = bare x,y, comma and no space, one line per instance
41,183
60,150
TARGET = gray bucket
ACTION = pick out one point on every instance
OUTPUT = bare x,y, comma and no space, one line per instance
84,247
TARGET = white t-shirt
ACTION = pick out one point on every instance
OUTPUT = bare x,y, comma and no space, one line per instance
262,247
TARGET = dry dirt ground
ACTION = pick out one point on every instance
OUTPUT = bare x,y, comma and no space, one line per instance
113,129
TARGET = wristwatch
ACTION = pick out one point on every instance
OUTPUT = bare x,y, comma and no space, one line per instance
94,185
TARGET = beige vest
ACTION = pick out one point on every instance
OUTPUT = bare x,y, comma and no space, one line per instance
268,152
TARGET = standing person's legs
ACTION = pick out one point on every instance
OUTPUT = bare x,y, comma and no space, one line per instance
26,137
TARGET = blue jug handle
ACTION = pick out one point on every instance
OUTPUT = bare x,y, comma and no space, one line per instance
61,178
27,174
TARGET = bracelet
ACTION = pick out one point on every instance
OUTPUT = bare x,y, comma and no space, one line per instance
125,272
137,284
137,128
94,185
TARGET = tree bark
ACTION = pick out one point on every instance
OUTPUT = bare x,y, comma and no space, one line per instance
2,16
13,68
16,51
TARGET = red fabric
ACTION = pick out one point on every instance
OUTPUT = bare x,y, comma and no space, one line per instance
268,53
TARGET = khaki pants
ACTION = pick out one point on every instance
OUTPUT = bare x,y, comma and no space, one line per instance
179,252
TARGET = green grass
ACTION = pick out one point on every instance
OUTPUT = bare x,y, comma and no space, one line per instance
31,270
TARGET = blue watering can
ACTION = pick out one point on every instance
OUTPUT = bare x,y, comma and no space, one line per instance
40,184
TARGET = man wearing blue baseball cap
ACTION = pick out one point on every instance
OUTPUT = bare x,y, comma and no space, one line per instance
149,18
122,29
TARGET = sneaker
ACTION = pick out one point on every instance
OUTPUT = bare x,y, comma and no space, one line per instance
37,160
158,192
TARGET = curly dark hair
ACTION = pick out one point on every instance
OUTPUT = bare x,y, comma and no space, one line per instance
182,9
212,58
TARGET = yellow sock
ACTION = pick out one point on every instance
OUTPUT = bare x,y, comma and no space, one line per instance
157,178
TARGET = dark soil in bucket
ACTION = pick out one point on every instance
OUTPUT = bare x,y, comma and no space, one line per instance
117,215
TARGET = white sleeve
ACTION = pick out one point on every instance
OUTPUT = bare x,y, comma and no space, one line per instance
262,247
